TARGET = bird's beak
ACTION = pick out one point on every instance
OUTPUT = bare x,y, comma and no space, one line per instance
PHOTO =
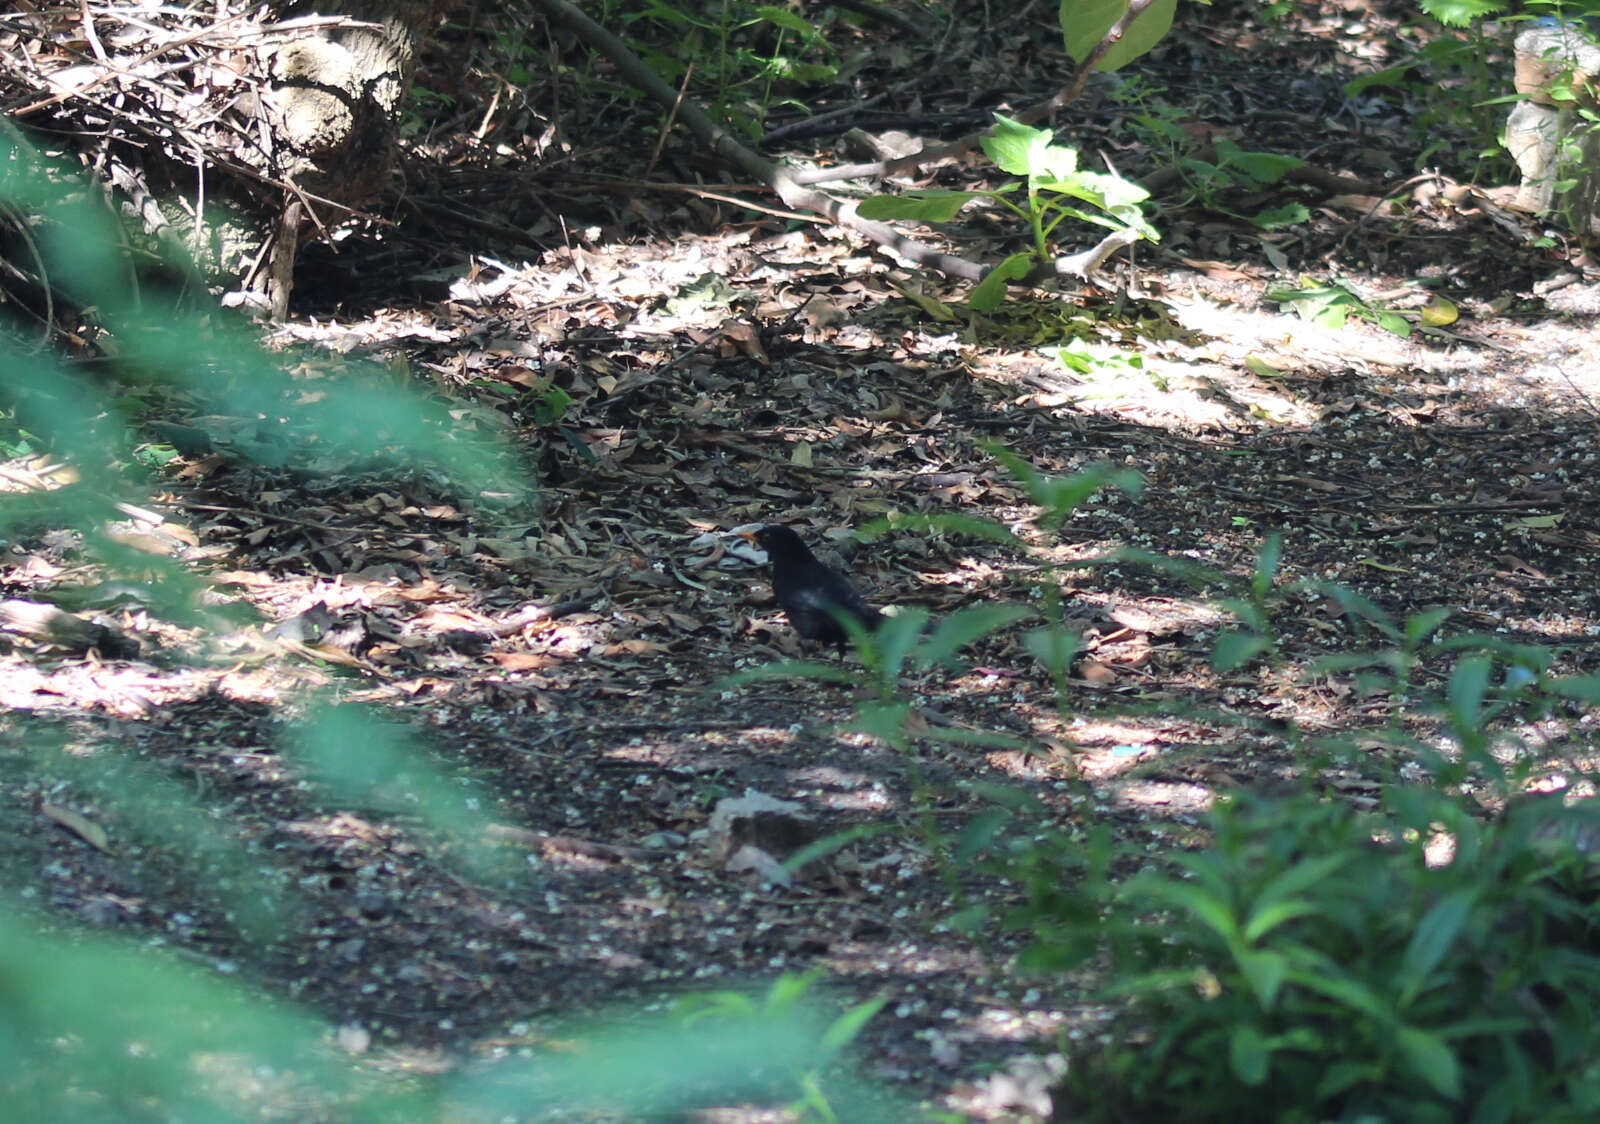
748,536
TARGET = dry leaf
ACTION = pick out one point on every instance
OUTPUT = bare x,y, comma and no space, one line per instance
524,661
85,829
1097,673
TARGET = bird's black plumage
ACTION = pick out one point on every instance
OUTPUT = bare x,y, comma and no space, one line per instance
812,596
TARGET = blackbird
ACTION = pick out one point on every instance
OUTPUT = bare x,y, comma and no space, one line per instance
812,596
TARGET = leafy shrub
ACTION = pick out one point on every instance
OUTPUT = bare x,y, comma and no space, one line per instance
1311,964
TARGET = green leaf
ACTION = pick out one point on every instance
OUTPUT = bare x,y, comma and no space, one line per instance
930,205
895,639
1388,76
966,625
1276,218
1431,1058
844,1029
1085,22
833,843
1248,1055
979,832
987,739
1583,688
1214,911
1394,323
1265,972
1359,606
1354,995
1432,938
1264,919
1341,1076
784,18
789,988
1054,647
1266,566
883,721
1469,682
789,669
1420,626
1301,876
1234,649
1261,167
970,921
990,293
1461,13
1012,145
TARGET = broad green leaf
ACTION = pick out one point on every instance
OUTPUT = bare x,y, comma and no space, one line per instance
1276,218
990,293
1085,22
1584,688
1264,919
895,639
1301,876
1394,323
1358,605
1053,163
1260,167
1388,76
1011,145
1430,1058
1352,994
1266,972
966,625
1248,1055
978,833
1420,626
784,18
1235,648
830,844
986,739
930,205
1267,565
1346,1075
1215,912
1054,647
971,525
883,721
789,988
1431,939
1469,682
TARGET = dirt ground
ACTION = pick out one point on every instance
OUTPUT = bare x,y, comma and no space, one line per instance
726,367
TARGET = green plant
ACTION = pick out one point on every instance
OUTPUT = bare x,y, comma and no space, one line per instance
783,1003
1161,125
1332,305
97,1031
1311,964
1307,961
1054,189
903,642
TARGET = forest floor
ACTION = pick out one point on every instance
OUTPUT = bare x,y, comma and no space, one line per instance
725,367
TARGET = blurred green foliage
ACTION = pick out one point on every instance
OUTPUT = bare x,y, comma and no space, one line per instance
94,1030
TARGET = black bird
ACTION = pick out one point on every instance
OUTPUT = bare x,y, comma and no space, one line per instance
812,596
